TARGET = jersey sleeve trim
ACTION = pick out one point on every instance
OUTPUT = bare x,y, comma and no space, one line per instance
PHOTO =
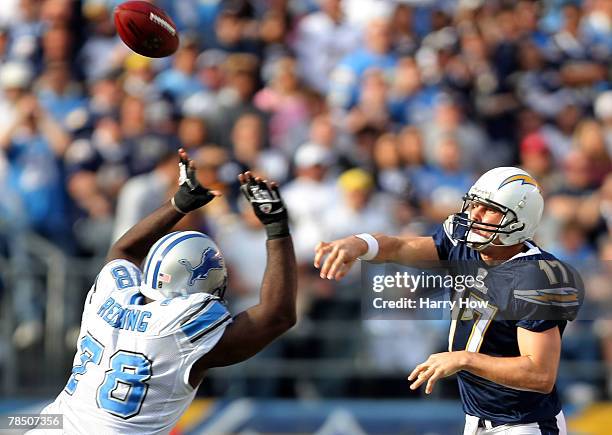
212,328
205,322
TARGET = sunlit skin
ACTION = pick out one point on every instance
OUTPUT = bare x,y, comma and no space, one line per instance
488,215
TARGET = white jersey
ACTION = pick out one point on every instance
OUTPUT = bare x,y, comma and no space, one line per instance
131,369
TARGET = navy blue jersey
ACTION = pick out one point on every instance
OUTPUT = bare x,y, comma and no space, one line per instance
533,290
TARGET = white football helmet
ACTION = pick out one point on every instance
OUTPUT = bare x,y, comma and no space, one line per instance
513,192
183,263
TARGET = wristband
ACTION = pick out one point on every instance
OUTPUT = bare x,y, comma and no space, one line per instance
276,230
372,246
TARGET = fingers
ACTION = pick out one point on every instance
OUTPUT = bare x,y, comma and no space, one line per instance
247,177
336,265
338,261
432,381
333,254
321,249
423,376
416,371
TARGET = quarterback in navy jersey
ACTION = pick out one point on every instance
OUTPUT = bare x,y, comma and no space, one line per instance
505,353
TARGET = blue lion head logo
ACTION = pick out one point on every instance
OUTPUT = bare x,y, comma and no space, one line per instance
210,260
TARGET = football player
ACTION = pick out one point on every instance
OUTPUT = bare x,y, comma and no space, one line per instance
151,329
506,358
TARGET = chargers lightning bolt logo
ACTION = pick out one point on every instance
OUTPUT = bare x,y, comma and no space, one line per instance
210,260
525,179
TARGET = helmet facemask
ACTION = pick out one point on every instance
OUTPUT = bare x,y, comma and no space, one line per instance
463,226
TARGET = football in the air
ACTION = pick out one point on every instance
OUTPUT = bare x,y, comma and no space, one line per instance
146,29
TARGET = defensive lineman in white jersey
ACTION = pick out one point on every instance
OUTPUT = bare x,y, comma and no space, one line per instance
148,335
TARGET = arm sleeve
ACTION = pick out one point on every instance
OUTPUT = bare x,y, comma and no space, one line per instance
202,330
539,305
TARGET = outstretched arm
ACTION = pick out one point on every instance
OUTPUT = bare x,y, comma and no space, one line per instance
256,327
135,243
336,258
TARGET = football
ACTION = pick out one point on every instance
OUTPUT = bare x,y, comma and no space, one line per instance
146,29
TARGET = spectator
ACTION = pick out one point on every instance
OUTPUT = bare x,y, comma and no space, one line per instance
192,133
143,194
377,53
359,205
323,39
573,246
411,148
284,100
307,195
26,31
139,78
33,144
180,81
560,133
235,98
449,121
537,160
566,201
390,174
372,109
249,152
15,78
589,138
441,186
603,111
101,52
411,100
59,93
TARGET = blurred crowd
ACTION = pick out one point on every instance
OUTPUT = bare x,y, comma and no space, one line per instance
374,115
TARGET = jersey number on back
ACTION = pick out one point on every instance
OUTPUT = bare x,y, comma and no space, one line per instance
124,387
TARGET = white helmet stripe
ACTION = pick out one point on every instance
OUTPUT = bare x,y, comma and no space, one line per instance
152,254
168,248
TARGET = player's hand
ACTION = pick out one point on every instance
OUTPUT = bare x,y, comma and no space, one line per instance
341,254
437,366
191,195
267,204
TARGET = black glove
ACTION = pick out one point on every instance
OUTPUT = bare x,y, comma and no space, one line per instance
268,206
191,195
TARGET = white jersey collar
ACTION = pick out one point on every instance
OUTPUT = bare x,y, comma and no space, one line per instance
533,250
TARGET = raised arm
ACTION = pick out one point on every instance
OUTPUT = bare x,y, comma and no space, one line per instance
135,243
336,258
256,327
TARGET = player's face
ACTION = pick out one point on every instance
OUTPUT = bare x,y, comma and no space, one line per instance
487,215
